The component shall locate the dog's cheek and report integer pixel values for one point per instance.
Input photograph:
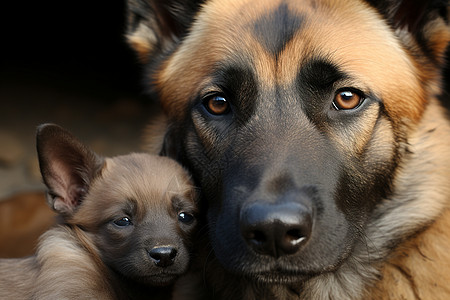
(369, 150)
(205, 165)
(207, 168)
(366, 180)
(201, 157)
(113, 243)
(224, 232)
(186, 233)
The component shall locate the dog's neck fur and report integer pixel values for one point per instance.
(405, 214)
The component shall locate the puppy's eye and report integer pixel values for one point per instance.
(185, 218)
(347, 99)
(122, 222)
(216, 104)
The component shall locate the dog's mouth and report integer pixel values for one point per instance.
(160, 279)
(280, 277)
(286, 271)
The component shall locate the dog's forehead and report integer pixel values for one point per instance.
(139, 185)
(275, 28)
(144, 179)
(275, 38)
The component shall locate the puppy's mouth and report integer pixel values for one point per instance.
(160, 279)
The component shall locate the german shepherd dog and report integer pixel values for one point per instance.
(126, 229)
(314, 132)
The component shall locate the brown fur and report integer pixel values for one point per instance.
(95, 253)
(63, 268)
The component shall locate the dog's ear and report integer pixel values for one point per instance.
(426, 21)
(155, 26)
(158, 137)
(169, 146)
(67, 167)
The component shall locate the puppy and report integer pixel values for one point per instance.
(127, 223)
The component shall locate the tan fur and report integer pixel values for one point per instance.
(367, 31)
(141, 47)
(419, 267)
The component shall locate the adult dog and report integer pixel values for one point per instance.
(313, 129)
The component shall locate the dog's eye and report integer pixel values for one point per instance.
(185, 217)
(122, 222)
(347, 99)
(216, 104)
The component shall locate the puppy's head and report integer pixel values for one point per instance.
(137, 209)
(293, 115)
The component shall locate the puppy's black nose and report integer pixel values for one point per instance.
(276, 229)
(163, 256)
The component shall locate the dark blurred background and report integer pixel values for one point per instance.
(66, 62)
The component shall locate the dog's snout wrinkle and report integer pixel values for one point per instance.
(276, 229)
(163, 256)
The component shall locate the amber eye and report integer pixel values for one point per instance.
(216, 105)
(347, 99)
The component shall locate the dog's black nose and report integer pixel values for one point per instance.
(276, 229)
(163, 256)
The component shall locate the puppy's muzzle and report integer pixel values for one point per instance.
(276, 229)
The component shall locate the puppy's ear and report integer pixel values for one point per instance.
(67, 167)
(422, 25)
(155, 26)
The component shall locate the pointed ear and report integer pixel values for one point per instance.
(67, 167)
(426, 21)
(155, 26)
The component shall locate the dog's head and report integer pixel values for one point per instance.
(292, 115)
(137, 209)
